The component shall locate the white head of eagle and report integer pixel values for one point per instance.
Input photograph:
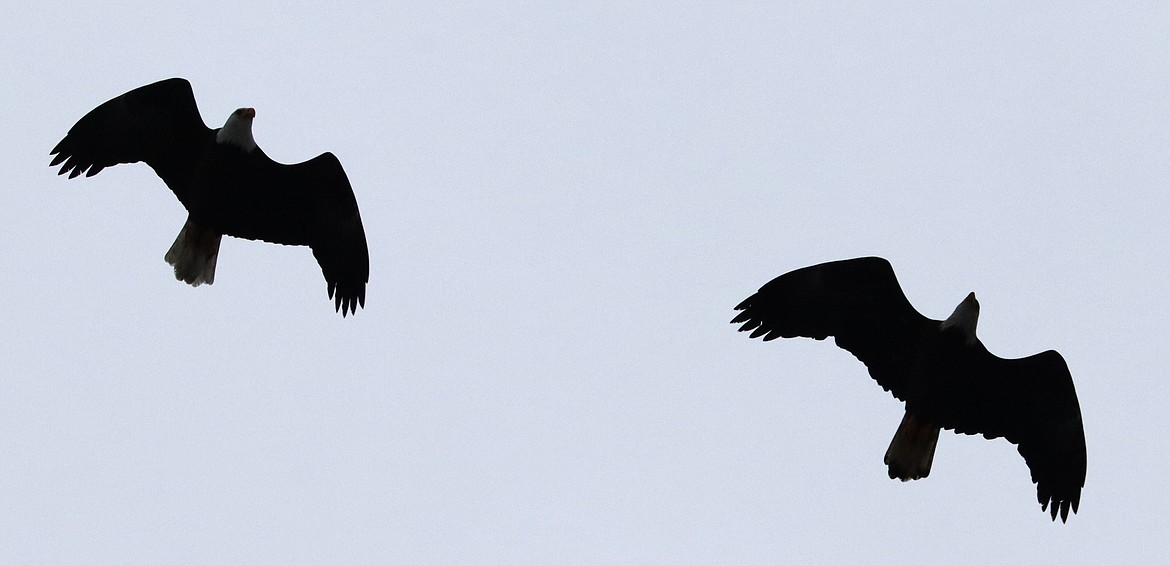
(965, 318)
(237, 130)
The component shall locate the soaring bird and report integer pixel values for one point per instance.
(941, 370)
(227, 184)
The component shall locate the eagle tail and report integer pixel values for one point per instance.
(194, 253)
(912, 450)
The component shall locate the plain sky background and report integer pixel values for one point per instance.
(563, 203)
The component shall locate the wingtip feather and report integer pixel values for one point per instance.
(345, 302)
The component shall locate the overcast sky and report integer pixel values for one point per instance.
(563, 204)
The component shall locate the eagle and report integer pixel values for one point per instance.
(227, 184)
(939, 368)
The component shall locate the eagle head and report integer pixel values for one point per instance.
(237, 130)
(965, 318)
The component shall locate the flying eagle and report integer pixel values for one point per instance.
(227, 183)
(940, 369)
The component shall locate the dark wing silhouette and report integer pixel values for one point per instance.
(338, 240)
(304, 204)
(157, 123)
(1029, 401)
(857, 301)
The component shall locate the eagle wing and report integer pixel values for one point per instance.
(1029, 401)
(304, 204)
(339, 241)
(857, 301)
(153, 123)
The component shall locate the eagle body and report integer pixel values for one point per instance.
(939, 368)
(227, 184)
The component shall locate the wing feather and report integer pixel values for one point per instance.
(305, 204)
(1032, 403)
(155, 123)
(340, 240)
(857, 301)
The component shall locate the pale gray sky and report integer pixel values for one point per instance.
(563, 204)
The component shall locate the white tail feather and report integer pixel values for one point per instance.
(194, 253)
(911, 451)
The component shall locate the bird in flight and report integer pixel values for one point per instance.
(227, 184)
(939, 368)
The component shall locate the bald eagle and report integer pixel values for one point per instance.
(939, 368)
(227, 184)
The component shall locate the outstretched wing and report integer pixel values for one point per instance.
(339, 242)
(1029, 401)
(304, 204)
(857, 301)
(156, 123)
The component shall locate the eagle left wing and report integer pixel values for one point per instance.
(1029, 401)
(337, 236)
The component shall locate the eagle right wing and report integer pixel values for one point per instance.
(857, 301)
(153, 123)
